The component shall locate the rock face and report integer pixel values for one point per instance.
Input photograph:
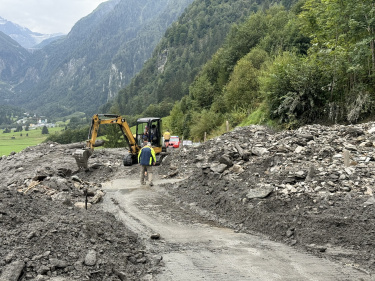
(309, 186)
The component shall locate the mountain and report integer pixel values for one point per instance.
(101, 54)
(12, 57)
(24, 36)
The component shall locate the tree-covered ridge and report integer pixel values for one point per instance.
(187, 45)
(309, 64)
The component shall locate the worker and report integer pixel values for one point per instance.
(167, 136)
(146, 133)
(154, 135)
(146, 158)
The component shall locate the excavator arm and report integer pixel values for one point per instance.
(82, 155)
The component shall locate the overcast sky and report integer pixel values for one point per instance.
(47, 16)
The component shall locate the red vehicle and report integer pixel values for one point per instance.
(174, 141)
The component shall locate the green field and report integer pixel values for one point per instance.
(15, 142)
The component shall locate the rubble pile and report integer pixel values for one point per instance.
(46, 232)
(311, 188)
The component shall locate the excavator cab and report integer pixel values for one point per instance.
(150, 129)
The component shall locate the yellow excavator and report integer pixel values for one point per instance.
(149, 128)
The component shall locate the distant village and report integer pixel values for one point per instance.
(35, 122)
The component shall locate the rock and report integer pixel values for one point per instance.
(260, 192)
(57, 263)
(225, 159)
(369, 191)
(290, 233)
(198, 158)
(90, 258)
(300, 174)
(82, 205)
(237, 169)
(350, 147)
(370, 201)
(77, 179)
(259, 151)
(42, 270)
(299, 149)
(155, 236)
(40, 277)
(98, 197)
(13, 271)
(218, 168)
(316, 247)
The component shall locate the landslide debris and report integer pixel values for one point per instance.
(45, 231)
(310, 188)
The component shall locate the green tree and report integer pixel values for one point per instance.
(342, 34)
(177, 118)
(45, 130)
(293, 86)
(242, 90)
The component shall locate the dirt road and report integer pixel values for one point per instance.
(192, 248)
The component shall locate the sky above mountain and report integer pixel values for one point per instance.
(47, 16)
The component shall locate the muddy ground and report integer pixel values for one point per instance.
(311, 189)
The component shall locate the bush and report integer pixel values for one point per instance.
(295, 90)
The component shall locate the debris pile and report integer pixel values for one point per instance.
(311, 188)
(46, 232)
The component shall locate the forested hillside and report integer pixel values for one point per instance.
(314, 63)
(311, 61)
(187, 45)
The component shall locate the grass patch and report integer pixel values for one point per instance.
(18, 141)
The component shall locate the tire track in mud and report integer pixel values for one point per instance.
(196, 249)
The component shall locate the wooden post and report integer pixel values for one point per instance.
(205, 137)
(227, 123)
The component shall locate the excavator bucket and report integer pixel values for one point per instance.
(82, 156)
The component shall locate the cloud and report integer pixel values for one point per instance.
(47, 16)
